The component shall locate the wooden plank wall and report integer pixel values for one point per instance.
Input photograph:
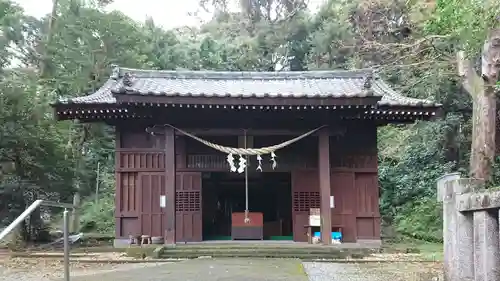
(354, 183)
(140, 181)
(188, 208)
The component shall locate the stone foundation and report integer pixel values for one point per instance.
(361, 244)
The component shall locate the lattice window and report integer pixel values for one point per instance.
(187, 201)
(303, 201)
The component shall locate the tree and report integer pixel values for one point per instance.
(474, 26)
(410, 43)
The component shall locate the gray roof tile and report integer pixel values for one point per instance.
(307, 84)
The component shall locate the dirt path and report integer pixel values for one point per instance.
(221, 270)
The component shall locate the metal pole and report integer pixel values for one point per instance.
(20, 219)
(97, 183)
(66, 243)
(28, 211)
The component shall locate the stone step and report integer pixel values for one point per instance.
(262, 252)
(301, 247)
(4, 254)
(193, 255)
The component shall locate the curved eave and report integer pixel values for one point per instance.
(69, 111)
(103, 112)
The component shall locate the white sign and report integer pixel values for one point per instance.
(332, 202)
(163, 201)
(314, 220)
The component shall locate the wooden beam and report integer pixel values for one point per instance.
(325, 186)
(238, 132)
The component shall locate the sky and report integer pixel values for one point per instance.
(163, 12)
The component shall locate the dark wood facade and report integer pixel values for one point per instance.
(144, 173)
(153, 160)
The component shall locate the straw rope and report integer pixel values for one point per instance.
(246, 151)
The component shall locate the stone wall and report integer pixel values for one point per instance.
(470, 229)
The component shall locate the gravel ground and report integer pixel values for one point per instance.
(396, 271)
(19, 269)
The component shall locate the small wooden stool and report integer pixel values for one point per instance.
(146, 239)
(133, 240)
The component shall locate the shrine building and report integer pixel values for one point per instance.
(212, 155)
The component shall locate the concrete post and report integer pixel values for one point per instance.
(457, 231)
(448, 220)
(441, 181)
(486, 246)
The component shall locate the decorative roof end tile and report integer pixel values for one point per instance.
(128, 79)
(368, 81)
(115, 72)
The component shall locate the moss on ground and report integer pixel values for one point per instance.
(141, 252)
(428, 250)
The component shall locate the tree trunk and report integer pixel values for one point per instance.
(482, 90)
(483, 143)
(44, 63)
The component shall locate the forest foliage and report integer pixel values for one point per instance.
(412, 44)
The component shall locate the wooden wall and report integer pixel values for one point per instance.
(141, 180)
(354, 183)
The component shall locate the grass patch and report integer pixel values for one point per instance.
(428, 250)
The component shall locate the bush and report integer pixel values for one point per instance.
(421, 220)
(410, 160)
(98, 217)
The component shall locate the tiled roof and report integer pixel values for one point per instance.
(307, 84)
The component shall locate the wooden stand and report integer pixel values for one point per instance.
(253, 230)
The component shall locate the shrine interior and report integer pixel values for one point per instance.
(268, 193)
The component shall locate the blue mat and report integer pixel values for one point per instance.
(335, 235)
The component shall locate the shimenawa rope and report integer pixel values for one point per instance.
(246, 151)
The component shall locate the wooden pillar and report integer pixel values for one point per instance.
(118, 185)
(325, 186)
(170, 185)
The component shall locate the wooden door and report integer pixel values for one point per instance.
(344, 213)
(188, 212)
(305, 195)
(151, 215)
(366, 196)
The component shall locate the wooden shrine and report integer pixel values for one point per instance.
(170, 125)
